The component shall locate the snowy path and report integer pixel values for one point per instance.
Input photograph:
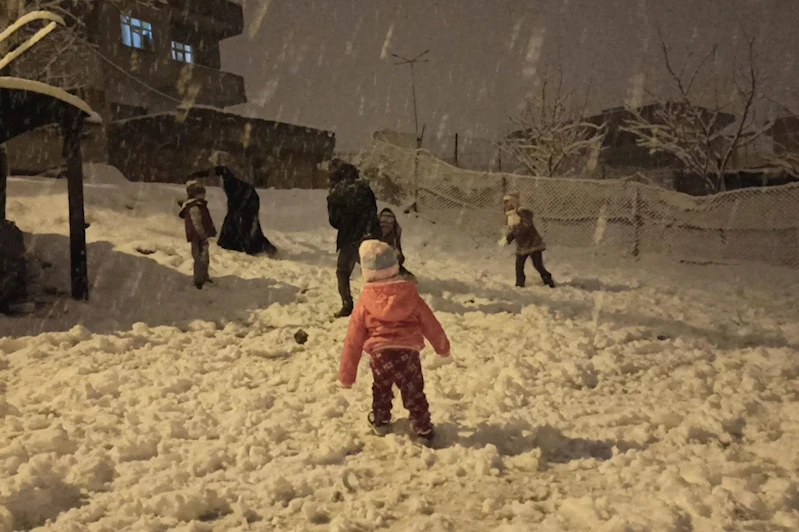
(647, 396)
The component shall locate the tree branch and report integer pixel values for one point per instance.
(552, 135)
(699, 137)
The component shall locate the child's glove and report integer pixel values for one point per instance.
(502, 242)
(443, 360)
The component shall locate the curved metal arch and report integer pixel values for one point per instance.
(54, 19)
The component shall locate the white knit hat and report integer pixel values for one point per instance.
(194, 189)
(513, 198)
(378, 261)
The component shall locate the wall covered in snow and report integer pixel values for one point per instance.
(40, 151)
(168, 147)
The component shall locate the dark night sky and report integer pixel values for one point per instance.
(323, 63)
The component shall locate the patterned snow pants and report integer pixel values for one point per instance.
(403, 368)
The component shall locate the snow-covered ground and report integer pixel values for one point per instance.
(635, 396)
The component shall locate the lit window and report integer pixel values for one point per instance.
(182, 52)
(137, 33)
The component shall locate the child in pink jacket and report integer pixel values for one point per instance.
(390, 322)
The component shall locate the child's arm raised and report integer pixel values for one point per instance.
(353, 348)
(432, 330)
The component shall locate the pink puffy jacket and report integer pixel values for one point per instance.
(389, 315)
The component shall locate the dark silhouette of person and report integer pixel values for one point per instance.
(352, 210)
(241, 230)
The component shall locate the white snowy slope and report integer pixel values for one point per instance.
(635, 396)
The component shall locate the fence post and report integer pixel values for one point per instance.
(796, 247)
(415, 206)
(456, 150)
(636, 219)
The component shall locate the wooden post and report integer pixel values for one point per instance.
(416, 180)
(72, 128)
(796, 248)
(419, 138)
(636, 219)
(4, 170)
(456, 150)
(3, 181)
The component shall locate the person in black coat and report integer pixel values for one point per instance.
(241, 230)
(352, 210)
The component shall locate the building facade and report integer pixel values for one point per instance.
(144, 64)
(154, 58)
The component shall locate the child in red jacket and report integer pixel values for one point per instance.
(390, 322)
(199, 228)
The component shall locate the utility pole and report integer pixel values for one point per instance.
(411, 62)
(6, 18)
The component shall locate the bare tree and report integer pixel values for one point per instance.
(705, 140)
(553, 136)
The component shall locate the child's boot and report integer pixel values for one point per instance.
(346, 309)
(548, 281)
(380, 430)
(426, 437)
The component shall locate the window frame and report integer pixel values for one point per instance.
(136, 33)
(182, 52)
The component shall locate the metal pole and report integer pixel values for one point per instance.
(415, 110)
(72, 127)
(5, 20)
(411, 62)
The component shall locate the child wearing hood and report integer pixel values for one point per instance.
(199, 228)
(390, 322)
(529, 243)
(391, 234)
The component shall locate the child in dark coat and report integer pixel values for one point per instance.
(529, 243)
(199, 228)
(391, 234)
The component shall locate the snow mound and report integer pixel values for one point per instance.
(103, 174)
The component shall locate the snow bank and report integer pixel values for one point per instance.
(103, 174)
(635, 396)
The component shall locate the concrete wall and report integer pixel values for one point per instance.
(40, 151)
(171, 146)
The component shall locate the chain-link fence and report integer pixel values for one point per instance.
(755, 224)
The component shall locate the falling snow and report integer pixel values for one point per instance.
(639, 395)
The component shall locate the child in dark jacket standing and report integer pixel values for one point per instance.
(391, 234)
(529, 243)
(199, 228)
(391, 322)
